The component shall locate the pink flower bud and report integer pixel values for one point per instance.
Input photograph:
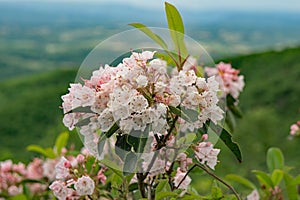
(80, 158)
(204, 137)
(67, 164)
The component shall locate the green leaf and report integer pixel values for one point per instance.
(292, 190)
(47, 152)
(83, 122)
(216, 192)
(18, 197)
(163, 195)
(122, 146)
(277, 176)
(187, 139)
(129, 178)
(226, 137)
(275, 159)
(101, 144)
(230, 100)
(296, 181)
(193, 197)
(176, 28)
(61, 142)
(193, 114)
(166, 57)
(230, 120)
(112, 130)
(137, 143)
(112, 166)
(81, 110)
(89, 163)
(241, 180)
(130, 163)
(152, 35)
(132, 187)
(179, 113)
(163, 186)
(263, 178)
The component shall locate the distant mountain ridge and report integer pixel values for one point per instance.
(42, 36)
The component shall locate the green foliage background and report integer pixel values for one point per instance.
(29, 110)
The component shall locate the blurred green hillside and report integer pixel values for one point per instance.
(271, 103)
(30, 113)
(29, 110)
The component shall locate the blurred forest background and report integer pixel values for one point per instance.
(43, 44)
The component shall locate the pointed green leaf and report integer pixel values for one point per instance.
(163, 186)
(241, 180)
(226, 137)
(179, 113)
(263, 178)
(47, 152)
(81, 110)
(292, 190)
(296, 181)
(137, 143)
(61, 142)
(112, 166)
(231, 104)
(275, 159)
(277, 176)
(192, 114)
(230, 120)
(122, 146)
(216, 192)
(163, 195)
(100, 145)
(133, 186)
(130, 163)
(83, 122)
(89, 163)
(176, 28)
(112, 130)
(152, 35)
(18, 197)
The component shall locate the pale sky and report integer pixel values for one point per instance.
(262, 5)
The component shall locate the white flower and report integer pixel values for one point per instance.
(141, 81)
(70, 120)
(206, 154)
(59, 190)
(84, 186)
(82, 95)
(90, 142)
(120, 112)
(253, 195)
(49, 169)
(106, 120)
(190, 64)
(61, 170)
(101, 101)
(178, 178)
(174, 100)
(138, 104)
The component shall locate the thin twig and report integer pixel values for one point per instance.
(214, 176)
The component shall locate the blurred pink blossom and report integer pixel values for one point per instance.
(35, 169)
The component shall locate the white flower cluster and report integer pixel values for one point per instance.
(137, 93)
